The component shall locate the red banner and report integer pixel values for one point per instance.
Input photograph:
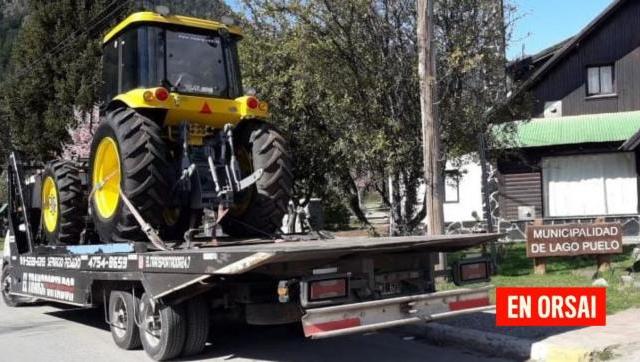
(551, 306)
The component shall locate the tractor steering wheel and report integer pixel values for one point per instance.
(183, 78)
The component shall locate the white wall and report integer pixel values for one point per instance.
(469, 187)
(470, 191)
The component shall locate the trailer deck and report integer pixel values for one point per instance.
(232, 259)
(183, 267)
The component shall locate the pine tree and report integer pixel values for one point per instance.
(11, 16)
(54, 70)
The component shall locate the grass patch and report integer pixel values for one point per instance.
(515, 269)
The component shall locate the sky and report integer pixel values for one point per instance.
(542, 23)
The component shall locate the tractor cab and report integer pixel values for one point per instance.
(185, 65)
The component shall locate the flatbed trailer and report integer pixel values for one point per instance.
(166, 299)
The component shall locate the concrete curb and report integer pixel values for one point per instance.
(493, 344)
(581, 345)
(549, 352)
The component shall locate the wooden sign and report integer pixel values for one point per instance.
(574, 239)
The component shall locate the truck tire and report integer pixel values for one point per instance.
(122, 319)
(162, 331)
(128, 154)
(197, 326)
(63, 203)
(9, 300)
(258, 210)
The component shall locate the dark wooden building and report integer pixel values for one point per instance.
(569, 164)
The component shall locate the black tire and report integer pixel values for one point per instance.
(71, 206)
(171, 334)
(10, 300)
(197, 326)
(123, 321)
(265, 203)
(143, 168)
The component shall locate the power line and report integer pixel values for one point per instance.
(63, 45)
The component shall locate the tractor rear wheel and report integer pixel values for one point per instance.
(258, 210)
(128, 154)
(63, 203)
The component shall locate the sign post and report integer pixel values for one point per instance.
(540, 263)
(539, 266)
(600, 239)
(604, 263)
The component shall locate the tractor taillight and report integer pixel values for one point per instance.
(252, 103)
(162, 94)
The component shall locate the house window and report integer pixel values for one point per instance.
(590, 185)
(600, 80)
(452, 186)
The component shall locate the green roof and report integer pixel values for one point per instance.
(590, 128)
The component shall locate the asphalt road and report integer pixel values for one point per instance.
(48, 332)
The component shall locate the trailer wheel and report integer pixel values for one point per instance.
(162, 329)
(197, 326)
(9, 300)
(122, 320)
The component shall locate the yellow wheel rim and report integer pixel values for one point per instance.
(106, 178)
(50, 204)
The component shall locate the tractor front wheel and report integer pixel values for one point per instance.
(63, 203)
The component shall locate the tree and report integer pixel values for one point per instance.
(54, 70)
(342, 79)
(471, 38)
(340, 127)
(11, 16)
(206, 9)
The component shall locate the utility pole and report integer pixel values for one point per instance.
(430, 125)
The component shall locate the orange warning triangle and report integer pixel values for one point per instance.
(205, 108)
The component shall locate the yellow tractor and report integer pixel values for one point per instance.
(180, 148)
